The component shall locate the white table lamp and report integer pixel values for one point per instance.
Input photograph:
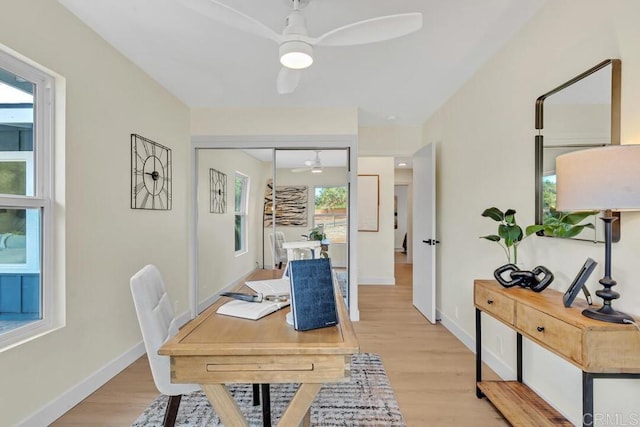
(604, 179)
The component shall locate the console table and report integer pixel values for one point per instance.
(599, 349)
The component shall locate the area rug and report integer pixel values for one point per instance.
(366, 400)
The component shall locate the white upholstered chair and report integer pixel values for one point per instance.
(157, 323)
(277, 250)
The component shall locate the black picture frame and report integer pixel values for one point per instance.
(578, 283)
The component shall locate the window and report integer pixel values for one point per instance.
(331, 212)
(241, 201)
(26, 177)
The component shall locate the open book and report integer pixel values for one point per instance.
(257, 310)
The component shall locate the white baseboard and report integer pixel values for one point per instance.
(372, 280)
(70, 398)
(503, 370)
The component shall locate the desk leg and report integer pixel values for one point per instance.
(587, 399)
(266, 405)
(224, 405)
(299, 405)
(479, 393)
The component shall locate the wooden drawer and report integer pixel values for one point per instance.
(551, 333)
(496, 304)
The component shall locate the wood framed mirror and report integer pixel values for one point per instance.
(581, 113)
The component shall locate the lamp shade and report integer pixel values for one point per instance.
(599, 179)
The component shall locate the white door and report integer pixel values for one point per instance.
(424, 231)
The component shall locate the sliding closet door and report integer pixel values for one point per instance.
(230, 240)
(311, 202)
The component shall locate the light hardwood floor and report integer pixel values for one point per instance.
(432, 373)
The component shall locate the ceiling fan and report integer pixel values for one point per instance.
(314, 166)
(296, 46)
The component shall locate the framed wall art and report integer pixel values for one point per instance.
(218, 185)
(150, 174)
(291, 205)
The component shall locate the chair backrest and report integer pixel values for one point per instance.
(157, 323)
(305, 249)
(280, 254)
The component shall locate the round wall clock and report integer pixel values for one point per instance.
(150, 174)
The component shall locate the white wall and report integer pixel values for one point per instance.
(392, 140)
(107, 99)
(486, 158)
(274, 121)
(375, 253)
(218, 264)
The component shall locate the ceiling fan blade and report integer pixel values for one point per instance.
(296, 170)
(372, 30)
(234, 18)
(288, 80)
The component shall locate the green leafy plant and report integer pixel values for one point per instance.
(317, 233)
(510, 234)
(566, 224)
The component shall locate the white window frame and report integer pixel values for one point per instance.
(42, 198)
(242, 212)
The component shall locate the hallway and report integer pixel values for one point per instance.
(432, 373)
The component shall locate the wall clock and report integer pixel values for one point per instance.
(218, 181)
(150, 174)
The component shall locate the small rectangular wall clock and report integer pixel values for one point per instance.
(150, 174)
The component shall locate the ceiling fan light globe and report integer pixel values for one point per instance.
(316, 169)
(296, 54)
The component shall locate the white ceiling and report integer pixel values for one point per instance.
(403, 81)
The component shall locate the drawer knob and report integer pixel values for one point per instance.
(489, 301)
(540, 328)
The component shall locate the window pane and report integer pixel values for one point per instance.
(238, 193)
(238, 232)
(241, 190)
(331, 212)
(16, 135)
(20, 289)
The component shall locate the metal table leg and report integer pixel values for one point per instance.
(479, 393)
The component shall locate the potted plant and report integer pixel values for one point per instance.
(509, 232)
(317, 233)
(509, 236)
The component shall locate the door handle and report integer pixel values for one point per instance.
(431, 242)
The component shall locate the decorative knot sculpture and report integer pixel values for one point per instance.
(536, 280)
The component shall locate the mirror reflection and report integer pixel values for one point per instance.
(311, 205)
(251, 202)
(579, 114)
(230, 192)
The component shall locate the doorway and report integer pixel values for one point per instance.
(400, 220)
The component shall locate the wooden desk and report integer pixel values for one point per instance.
(212, 350)
(599, 349)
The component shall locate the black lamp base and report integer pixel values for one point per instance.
(607, 314)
